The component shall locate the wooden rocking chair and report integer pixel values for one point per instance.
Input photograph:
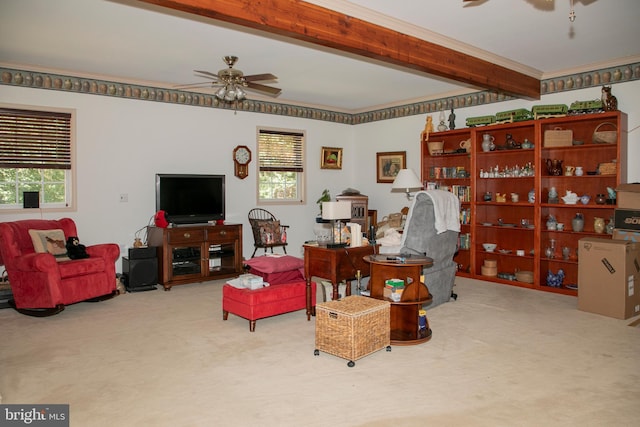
(267, 231)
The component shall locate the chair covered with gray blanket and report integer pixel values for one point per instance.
(431, 229)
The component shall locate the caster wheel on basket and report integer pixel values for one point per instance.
(388, 348)
(351, 364)
(316, 352)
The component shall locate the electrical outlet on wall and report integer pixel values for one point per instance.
(124, 198)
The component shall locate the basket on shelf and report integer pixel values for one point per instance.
(607, 168)
(605, 136)
(435, 147)
(558, 137)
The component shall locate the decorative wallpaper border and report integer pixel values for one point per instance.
(59, 82)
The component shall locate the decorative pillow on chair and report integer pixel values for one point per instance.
(50, 241)
(270, 232)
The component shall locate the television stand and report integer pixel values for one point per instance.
(191, 253)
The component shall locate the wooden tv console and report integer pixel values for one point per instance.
(197, 253)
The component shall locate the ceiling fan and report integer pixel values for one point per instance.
(541, 4)
(233, 82)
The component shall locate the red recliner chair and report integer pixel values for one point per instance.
(42, 285)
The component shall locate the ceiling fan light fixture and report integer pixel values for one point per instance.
(240, 93)
(220, 93)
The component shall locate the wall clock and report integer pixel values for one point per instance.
(241, 159)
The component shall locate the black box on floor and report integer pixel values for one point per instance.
(140, 269)
(627, 219)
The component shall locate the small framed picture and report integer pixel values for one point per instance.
(331, 158)
(389, 164)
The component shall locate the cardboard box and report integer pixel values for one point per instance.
(608, 272)
(626, 219)
(633, 236)
(628, 196)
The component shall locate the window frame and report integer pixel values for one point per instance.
(301, 176)
(70, 202)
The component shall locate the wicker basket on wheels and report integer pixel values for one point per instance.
(353, 327)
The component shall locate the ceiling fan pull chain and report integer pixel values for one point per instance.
(572, 12)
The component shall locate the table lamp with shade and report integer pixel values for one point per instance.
(336, 212)
(406, 182)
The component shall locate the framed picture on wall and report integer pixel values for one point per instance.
(389, 164)
(331, 158)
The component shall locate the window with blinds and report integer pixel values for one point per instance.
(35, 156)
(280, 165)
(35, 139)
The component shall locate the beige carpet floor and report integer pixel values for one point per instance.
(499, 356)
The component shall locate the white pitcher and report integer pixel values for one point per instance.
(488, 142)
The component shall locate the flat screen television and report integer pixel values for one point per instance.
(191, 198)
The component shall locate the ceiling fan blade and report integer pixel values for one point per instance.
(206, 73)
(258, 77)
(262, 88)
(200, 84)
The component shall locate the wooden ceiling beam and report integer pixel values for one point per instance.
(317, 25)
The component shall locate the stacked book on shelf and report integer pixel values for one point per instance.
(393, 289)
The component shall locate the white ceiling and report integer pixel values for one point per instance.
(125, 40)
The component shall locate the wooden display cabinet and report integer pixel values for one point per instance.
(502, 175)
(500, 220)
(438, 172)
(197, 253)
(589, 156)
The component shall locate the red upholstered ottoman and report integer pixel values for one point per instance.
(265, 302)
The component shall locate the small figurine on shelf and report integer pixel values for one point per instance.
(511, 143)
(609, 102)
(555, 280)
(610, 225)
(452, 120)
(428, 128)
(441, 126)
(611, 196)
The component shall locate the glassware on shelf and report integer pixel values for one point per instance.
(610, 226)
(577, 223)
(550, 252)
(566, 252)
(598, 225)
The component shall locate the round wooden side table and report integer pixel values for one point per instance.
(405, 313)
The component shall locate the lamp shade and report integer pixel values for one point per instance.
(406, 181)
(336, 210)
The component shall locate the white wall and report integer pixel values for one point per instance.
(404, 134)
(123, 143)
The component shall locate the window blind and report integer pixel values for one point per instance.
(280, 151)
(35, 139)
